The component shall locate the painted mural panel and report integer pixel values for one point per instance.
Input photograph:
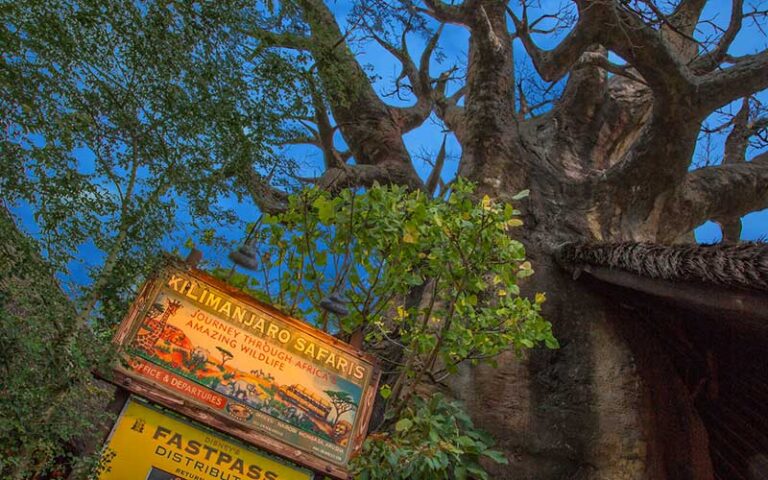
(242, 360)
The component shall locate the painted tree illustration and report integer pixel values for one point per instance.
(226, 356)
(342, 403)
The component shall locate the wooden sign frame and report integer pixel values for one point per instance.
(158, 383)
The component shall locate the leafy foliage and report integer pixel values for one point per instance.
(124, 124)
(49, 400)
(433, 439)
(374, 249)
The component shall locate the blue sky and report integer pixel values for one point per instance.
(426, 139)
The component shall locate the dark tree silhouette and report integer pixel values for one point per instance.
(226, 356)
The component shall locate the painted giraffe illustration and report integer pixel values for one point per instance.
(150, 332)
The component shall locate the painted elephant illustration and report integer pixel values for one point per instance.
(241, 390)
(199, 355)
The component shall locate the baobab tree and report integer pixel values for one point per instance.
(607, 158)
(601, 128)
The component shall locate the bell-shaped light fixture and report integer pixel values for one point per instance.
(245, 256)
(335, 304)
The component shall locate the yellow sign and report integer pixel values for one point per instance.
(147, 444)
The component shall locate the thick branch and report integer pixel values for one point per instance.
(735, 152)
(657, 160)
(325, 130)
(600, 60)
(553, 64)
(418, 76)
(447, 106)
(369, 126)
(677, 30)
(719, 192)
(598, 117)
(657, 61)
(434, 176)
(268, 198)
(738, 140)
(686, 16)
(447, 13)
(489, 104)
(748, 75)
(349, 176)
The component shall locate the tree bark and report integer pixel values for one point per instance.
(609, 162)
(607, 404)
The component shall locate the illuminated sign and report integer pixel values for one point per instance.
(298, 391)
(147, 444)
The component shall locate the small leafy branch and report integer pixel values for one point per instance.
(429, 283)
(434, 439)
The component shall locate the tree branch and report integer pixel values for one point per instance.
(720, 192)
(368, 125)
(598, 59)
(735, 152)
(656, 161)
(738, 140)
(686, 16)
(658, 62)
(349, 176)
(268, 198)
(553, 64)
(447, 13)
(748, 75)
(332, 158)
(418, 76)
(712, 59)
(434, 177)
(447, 106)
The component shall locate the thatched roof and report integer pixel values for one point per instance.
(726, 280)
(742, 265)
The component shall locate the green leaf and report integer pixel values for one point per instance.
(460, 472)
(325, 209)
(411, 234)
(521, 195)
(385, 391)
(496, 456)
(403, 424)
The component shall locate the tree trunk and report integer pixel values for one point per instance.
(609, 161)
(607, 404)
